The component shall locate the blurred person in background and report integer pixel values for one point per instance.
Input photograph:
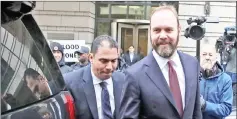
(43, 88)
(131, 57)
(83, 58)
(57, 50)
(122, 65)
(37, 83)
(215, 86)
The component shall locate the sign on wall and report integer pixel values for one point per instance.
(70, 46)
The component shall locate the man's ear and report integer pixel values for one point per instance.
(41, 78)
(91, 56)
(179, 28)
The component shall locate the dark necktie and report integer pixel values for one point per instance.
(106, 109)
(175, 89)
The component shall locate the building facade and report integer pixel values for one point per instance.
(127, 22)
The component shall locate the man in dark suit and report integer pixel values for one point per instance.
(43, 88)
(97, 87)
(164, 84)
(131, 57)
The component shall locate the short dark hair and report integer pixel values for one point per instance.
(103, 38)
(32, 73)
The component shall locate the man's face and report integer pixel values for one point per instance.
(82, 57)
(57, 55)
(164, 32)
(131, 49)
(38, 86)
(104, 62)
(208, 57)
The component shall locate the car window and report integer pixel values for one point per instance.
(29, 72)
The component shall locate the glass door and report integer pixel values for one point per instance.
(136, 35)
(143, 37)
(126, 36)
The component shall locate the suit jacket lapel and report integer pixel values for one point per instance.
(117, 87)
(154, 72)
(188, 71)
(90, 92)
(127, 57)
(133, 58)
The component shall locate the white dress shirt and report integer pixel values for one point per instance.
(131, 55)
(98, 89)
(177, 65)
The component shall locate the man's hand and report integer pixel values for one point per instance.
(203, 103)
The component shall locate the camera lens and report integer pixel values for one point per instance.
(196, 32)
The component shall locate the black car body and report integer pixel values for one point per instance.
(23, 46)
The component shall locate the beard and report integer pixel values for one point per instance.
(207, 64)
(82, 60)
(165, 49)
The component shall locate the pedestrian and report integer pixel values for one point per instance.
(164, 84)
(131, 57)
(215, 86)
(97, 87)
(58, 53)
(83, 58)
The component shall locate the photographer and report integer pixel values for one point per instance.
(231, 65)
(226, 45)
(231, 70)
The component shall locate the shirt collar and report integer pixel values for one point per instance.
(97, 81)
(163, 61)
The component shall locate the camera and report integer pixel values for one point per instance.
(195, 30)
(226, 43)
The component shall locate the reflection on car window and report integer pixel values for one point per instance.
(28, 72)
(37, 83)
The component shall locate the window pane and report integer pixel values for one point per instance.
(118, 11)
(23, 49)
(103, 28)
(103, 10)
(136, 12)
(149, 10)
(158, 3)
